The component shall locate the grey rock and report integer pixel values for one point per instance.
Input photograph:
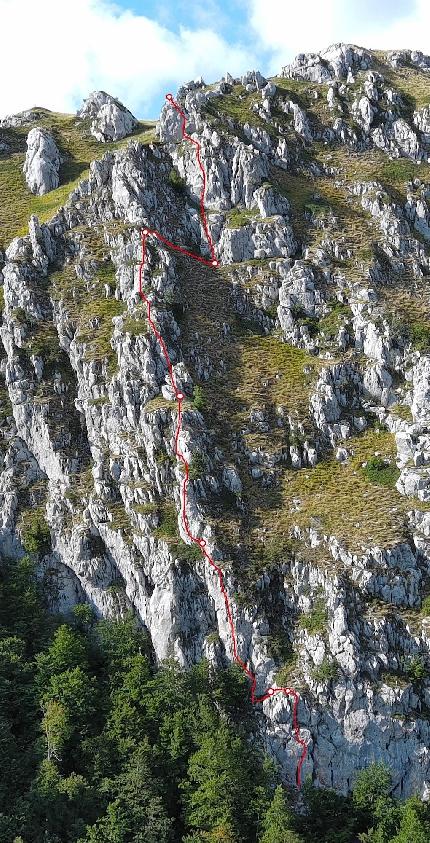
(110, 120)
(42, 162)
(333, 63)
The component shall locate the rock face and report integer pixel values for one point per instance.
(13, 121)
(304, 359)
(42, 162)
(110, 120)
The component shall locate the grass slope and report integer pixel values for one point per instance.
(77, 148)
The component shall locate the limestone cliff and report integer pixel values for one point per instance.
(305, 362)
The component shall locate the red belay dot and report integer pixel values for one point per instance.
(212, 262)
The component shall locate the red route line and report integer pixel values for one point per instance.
(213, 263)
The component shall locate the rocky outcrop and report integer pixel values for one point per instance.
(110, 120)
(336, 62)
(14, 121)
(42, 162)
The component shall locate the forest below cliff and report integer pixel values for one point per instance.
(100, 746)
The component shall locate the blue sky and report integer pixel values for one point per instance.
(229, 18)
(139, 49)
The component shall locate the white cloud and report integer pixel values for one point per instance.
(54, 53)
(287, 28)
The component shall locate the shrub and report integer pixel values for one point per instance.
(415, 669)
(168, 526)
(176, 181)
(326, 671)
(36, 536)
(20, 315)
(381, 471)
(188, 552)
(316, 207)
(197, 466)
(161, 457)
(420, 336)
(199, 401)
(425, 606)
(117, 587)
(316, 620)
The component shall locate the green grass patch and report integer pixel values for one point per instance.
(332, 321)
(95, 328)
(82, 485)
(168, 522)
(145, 508)
(5, 402)
(316, 207)
(238, 217)
(402, 411)
(285, 676)
(274, 371)
(120, 521)
(236, 105)
(340, 499)
(43, 342)
(398, 171)
(85, 304)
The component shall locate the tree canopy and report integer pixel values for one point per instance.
(100, 745)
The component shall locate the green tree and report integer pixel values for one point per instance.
(414, 822)
(136, 813)
(36, 535)
(58, 807)
(57, 728)
(217, 790)
(67, 651)
(329, 817)
(23, 612)
(84, 616)
(278, 821)
(376, 810)
(371, 791)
